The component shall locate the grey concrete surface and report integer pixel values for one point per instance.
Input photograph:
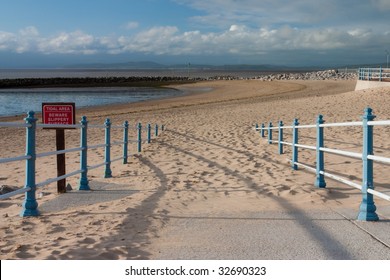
(275, 235)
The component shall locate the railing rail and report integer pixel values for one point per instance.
(374, 74)
(30, 205)
(367, 206)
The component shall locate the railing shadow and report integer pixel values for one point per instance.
(324, 239)
(133, 232)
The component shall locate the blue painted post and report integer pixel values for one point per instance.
(83, 185)
(107, 171)
(156, 130)
(149, 133)
(125, 141)
(320, 178)
(139, 137)
(30, 204)
(294, 148)
(262, 130)
(367, 206)
(256, 127)
(270, 133)
(280, 137)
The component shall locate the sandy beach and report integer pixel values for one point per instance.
(208, 180)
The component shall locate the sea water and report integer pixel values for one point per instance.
(20, 101)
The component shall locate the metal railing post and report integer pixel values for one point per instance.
(270, 133)
(294, 142)
(125, 141)
(149, 133)
(367, 206)
(30, 204)
(156, 130)
(320, 178)
(139, 137)
(262, 130)
(280, 138)
(380, 74)
(83, 184)
(162, 127)
(107, 171)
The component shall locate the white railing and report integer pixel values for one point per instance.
(374, 74)
(367, 209)
(30, 205)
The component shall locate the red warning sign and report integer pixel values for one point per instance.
(58, 113)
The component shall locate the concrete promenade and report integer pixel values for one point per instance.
(287, 232)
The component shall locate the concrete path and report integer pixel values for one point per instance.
(275, 235)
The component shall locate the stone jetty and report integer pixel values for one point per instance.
(152, 81)
(92, 82)
(316, 75)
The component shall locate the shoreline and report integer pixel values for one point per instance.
(208, 173)
(89, 108)
(193, 96)
(91, 82)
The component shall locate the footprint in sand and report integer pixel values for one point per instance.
(88, 240)
(22, 251)
(56, 229)
(292, 192)
(283, 188)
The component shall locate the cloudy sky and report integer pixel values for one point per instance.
(282, 32)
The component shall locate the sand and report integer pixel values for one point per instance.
(208, 163)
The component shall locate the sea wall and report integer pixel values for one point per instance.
(318, 75)
(370, 84)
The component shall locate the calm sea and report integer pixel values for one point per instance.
(19, 101)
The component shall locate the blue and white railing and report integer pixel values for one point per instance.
(374, 74)
(30, 205)
(367, 206)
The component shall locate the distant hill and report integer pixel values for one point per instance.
(125, 65)
(153, 65)
(368, 65)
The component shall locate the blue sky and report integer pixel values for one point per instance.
(54, 33)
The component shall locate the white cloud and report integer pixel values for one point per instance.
(29, 31)
(236, 39)
(239, 39)
(7, 41)
(297, 13)
(131, 25)
(76, 42)
(382, 5)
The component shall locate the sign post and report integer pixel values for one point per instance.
(59, 113)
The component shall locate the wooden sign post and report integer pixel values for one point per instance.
(62, 114)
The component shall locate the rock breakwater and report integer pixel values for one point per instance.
(93, 82)
(316, 75)
(153, 81)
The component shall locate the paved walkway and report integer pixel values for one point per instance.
(291, 233)
(276, 235)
